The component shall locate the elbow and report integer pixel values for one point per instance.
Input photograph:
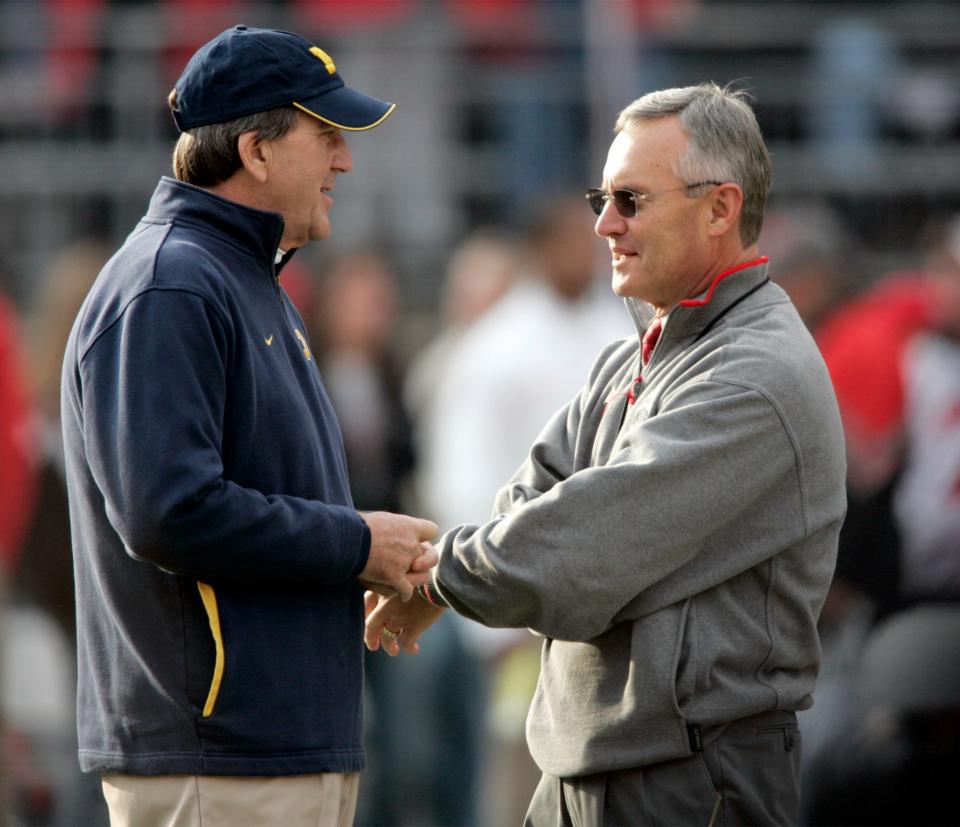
(149, 541)
(155, 534)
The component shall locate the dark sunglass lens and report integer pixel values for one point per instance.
(624, 202)
(596, 201)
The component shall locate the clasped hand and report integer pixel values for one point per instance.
(401, 555)
(405, 622)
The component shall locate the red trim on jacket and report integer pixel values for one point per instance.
(721, 277)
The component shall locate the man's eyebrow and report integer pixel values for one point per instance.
(321, 129)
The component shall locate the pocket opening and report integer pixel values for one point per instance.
(209, 598)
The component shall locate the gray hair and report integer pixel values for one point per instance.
(725, 143)
(208, 155)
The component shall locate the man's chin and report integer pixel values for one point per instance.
(621, 285)
(320, 231)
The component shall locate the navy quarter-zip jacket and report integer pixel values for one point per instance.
(216, 547)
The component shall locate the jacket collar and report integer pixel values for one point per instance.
(691, 316)
(255, 231)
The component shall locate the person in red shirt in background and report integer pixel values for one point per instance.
(876, 347)
(17, 466)
(17, 478)
(891, 623)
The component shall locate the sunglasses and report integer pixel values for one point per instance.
(628, 202)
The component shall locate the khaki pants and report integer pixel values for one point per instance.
(319, 800)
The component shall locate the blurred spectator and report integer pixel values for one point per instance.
(489, 406)
(894, 357)
(73, 29)
(45, 578)
(533, 121)
(854, 63)
(878, 348)
(17, 454)
(481, 270)
(491, 403)
(355, 324)
(17, 490)
(811, 257)
(895, 762)
(433, 744)
(43, 587)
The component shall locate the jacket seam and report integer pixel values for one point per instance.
(173, 288)
(768, 625)
(678, 649)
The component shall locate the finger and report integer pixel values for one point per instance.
(378, 617)
(370, 601)
(404, 589)
(371, 636)
(427, 529)
(408, 641)
(387, 639)
(418, 578)
(376, 620)
(426, 561)
(379, 588)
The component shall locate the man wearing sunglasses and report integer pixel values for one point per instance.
(220, 563)
(673, 530)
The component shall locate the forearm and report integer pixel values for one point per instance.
(241, 535)
(571, 563)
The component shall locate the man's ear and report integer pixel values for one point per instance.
(726, 202)
(255, 155)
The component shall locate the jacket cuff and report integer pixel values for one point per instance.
(430, 592)
(356, 536)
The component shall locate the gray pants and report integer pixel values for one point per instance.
(747, 774)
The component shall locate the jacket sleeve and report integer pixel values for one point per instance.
(626, 538)
(153, 394)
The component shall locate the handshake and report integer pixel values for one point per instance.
(400, 560)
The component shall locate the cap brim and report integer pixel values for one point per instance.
(347, 109)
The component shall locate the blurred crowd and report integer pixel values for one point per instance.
(439, 406)
(433, 424)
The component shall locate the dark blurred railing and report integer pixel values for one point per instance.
(860, 103)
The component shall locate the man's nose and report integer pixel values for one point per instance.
(609, 222)
(343, 157)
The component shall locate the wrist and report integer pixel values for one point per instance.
(428, 591)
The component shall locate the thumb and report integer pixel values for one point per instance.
(426, 529)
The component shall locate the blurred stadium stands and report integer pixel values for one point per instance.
(499, 100)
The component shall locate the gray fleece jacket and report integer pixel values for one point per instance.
(673, 545)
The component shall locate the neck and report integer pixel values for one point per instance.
(240, 187)
(723, 263)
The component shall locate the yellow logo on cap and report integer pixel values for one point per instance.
(316, 51)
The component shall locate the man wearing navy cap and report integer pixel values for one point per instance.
(220, 564)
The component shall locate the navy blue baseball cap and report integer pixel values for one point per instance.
(246, 70)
